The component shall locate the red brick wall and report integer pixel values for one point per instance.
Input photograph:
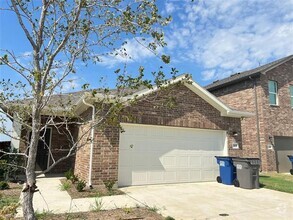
(273, 120)
(189, 111)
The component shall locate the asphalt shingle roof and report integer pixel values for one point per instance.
(245, 74)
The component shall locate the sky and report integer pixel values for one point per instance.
(208, 39)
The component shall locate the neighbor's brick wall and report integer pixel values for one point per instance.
(279, 119)
(240, 96)
(190, 111)
(273, 120)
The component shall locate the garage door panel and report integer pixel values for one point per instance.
(168, 155)
(283, 147)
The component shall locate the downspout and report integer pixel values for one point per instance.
(257, 120)
(92, 142)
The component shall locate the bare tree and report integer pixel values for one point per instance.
(60, 33)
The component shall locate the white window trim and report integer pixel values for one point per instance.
(291, 95)
(275, 93)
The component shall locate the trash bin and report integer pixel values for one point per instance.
(291, 159)
(247, 172)
(227, 170)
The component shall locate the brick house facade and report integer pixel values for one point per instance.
(249, 91)
(180, 105)
(190, 111)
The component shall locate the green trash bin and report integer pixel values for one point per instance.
(247, 172)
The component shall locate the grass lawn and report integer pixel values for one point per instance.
(277, 181)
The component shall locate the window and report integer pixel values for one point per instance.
(291, 95)
(273, 90)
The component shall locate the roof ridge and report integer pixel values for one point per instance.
(235, 77)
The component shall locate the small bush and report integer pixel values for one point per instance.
(68, 174)
(4, 185)
(65, 186)
(109, 184)
(169, 218)
(80, 185)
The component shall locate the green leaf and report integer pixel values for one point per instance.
(165, 59)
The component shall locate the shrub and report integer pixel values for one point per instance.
(80, 185)
(169, 218)
(65, 186)
(109, 184)
(70, 176)
(4, 185)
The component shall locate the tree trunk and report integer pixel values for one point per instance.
(27, 206)
(30, 186)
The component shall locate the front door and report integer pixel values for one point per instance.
(43, 149)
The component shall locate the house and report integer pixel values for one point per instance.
(267, 91)
(167, 135)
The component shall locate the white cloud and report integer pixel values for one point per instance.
(135, 50)
(231, 36)
(208, 74)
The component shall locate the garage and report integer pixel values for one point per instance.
(160, 154)
(283, 147)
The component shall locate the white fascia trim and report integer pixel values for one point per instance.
(215, 102)
(146, 92)
(189, 83)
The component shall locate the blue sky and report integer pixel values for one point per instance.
(208, 39)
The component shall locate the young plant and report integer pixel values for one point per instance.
(65, 186)
(98, 205)
(109, 184)
(80, 185)
(68, 174)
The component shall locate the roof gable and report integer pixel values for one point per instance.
(197, 89)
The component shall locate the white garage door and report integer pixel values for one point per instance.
(157, 154)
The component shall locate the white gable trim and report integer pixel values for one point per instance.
(200, 91)
(189, 83)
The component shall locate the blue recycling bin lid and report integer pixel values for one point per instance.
(290, 158)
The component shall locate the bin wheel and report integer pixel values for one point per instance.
(219, 179)
(236, 183)
(291, 171)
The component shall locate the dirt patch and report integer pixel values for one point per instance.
(13, 191)
(116, 214)
(96, 191)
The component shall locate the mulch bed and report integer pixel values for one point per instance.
(97, 191)
(116, 214)
(13, 191)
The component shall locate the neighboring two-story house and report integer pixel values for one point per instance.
(267, 91)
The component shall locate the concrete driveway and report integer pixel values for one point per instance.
(210, 200)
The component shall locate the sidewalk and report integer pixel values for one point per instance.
(51, 199)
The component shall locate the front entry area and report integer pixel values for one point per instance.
(283, 147)
(160, 154)
(44, 145)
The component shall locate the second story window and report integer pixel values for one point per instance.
(273, 92)
(291, 95)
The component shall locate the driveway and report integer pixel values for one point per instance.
(210, 200)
